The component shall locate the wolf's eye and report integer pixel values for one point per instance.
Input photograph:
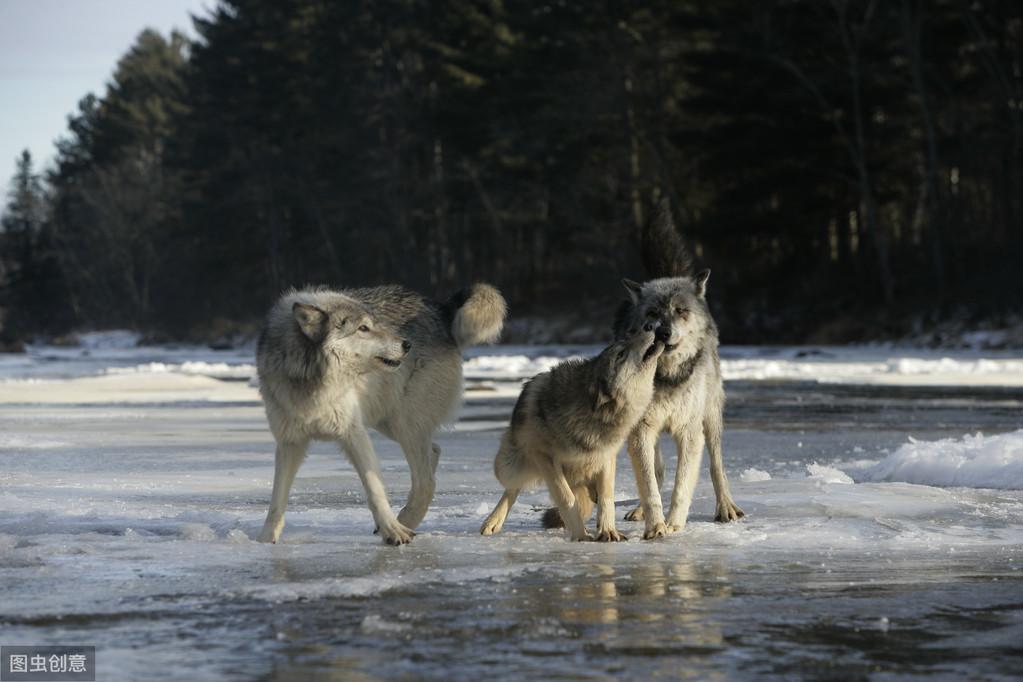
(363, 328)
(681, 311)
(621, 355)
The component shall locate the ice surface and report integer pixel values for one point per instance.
(973, 461)
(129, 501)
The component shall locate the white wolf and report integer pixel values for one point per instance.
(332, 363)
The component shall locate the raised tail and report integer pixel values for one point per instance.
(476, 315)
(661, 246)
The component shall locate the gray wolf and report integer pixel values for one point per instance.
(689, 395)
(333, 363)
(567, 427)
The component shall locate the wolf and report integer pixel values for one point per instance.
(333, 363)
(567, 427)
(689, 395)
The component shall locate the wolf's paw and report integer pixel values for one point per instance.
(658, 530)
(728, 511)
(396, 534)
(635, 515)
(673, 528)
(491, 526)
(610, 535)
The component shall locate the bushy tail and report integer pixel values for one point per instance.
(664, 253)
(476, 315)
(552, 518)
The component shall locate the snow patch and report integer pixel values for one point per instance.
(113, 339)
(8, 442)
(754, 476)
(826, 474)
(976, 461)
(510, 366)
(217, 370)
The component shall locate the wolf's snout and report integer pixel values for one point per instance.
(663, 332)
(405, 346)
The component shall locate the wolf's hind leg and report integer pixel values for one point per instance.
(422, 457)
(690, 452)
(727, 509)
(287, 459)
(642, 444)
(637, 513)
(568, 503)
(495, 521)
(584, 500)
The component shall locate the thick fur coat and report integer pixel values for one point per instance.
(566, 430)
(333, 363)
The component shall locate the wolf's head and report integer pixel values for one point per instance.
(628, 364)
(347, 332)
(675, 306)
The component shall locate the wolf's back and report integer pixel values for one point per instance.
(476, 315)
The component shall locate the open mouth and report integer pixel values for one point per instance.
(651, 351)
(387, 361)
(668, 349)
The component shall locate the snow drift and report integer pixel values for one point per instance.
(976, 461)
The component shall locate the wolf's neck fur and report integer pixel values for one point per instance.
(680, 371)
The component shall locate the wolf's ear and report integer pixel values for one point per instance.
(633, 289)
(701, 282)
(311, 320)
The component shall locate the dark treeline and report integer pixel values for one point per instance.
(845, 167)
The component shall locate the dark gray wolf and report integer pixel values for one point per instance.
(689, 395)
(567, 427)
(332, 363)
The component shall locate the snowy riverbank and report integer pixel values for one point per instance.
(133, 481)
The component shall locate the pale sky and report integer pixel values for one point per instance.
(54, 52)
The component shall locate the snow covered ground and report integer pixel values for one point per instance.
(884, 534)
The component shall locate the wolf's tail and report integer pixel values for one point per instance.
(661, 246)
(476, 315)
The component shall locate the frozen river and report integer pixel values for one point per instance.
(883, 537)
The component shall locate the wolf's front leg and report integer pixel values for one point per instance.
(357, 446)
(690, 452)
(641, 451)
(637, 513)
(606, 531)
(727, 509)
(287, 459)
